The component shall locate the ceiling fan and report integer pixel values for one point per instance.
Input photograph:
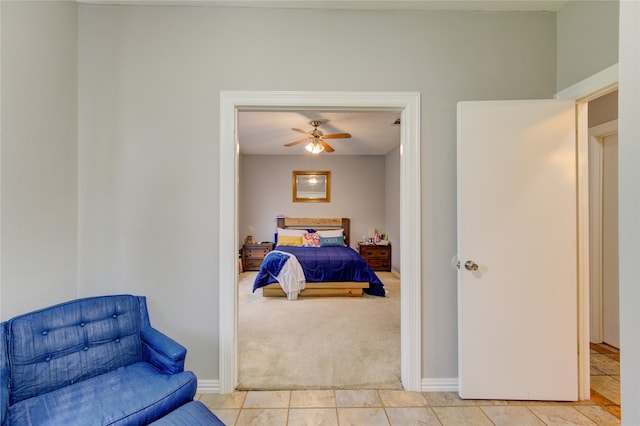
(315, 139)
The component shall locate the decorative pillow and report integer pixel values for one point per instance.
(311, 239)
(332, 241)
(330, 233)
(291, 232)
(289, 241)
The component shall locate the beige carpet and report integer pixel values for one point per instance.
(319, 343)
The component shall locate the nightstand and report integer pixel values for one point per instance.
(253, 255)
(377, 257)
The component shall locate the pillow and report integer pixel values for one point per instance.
(291, 232)
(332, 241)
(289, 241)
(330, 233)
(311, 239)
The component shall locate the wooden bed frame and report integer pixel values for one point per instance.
(325, 289)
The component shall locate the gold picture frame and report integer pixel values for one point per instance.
(311, 186)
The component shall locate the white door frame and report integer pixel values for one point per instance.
(582, 92)
(596, 148)
(408, 103)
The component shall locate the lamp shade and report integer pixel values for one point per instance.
(314, 147)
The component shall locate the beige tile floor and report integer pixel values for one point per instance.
(397, 407)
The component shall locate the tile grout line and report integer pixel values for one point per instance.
(604, 403)
(536, 416)
(335, 399)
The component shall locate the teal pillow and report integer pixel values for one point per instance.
(332, 241)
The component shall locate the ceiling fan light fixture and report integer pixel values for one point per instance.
(314, 147)
(314, 140)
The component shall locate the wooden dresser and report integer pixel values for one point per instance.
(253, 254)
(377, 257)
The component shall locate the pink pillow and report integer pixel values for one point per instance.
(311, 240)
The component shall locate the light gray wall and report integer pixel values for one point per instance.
(587, 39)
(38, 163)
(149, 83)
(446, 56)
(629, 204)
(392, 204)
(357, 192)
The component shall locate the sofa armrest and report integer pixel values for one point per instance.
(4, 374)
(4, 394)
(163, 352)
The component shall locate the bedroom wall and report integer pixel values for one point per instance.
(149, 83)
(587, 39)
(38, 164)
(357, 192)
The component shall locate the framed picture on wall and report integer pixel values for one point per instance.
(311, 186)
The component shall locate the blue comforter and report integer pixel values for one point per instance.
(322, 264)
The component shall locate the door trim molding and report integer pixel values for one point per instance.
(592, 87)
(595, 239)
(596, 139)
(582, 213)
(408, 104)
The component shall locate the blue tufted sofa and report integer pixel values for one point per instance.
(92, 361)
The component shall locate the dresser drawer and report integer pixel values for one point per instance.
(256, 252)
(379, 264)
(377, 257)
(253, 255)
(252, 264)
(376, 253)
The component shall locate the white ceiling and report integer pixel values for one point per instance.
(265, 132)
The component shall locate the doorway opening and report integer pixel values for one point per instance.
(408, 104)
(593, 87)
(604, 331)
(603, 227)
(319, 342)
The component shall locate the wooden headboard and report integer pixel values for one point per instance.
(317, 223)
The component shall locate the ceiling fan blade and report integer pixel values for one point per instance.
(296, 142)
(326, 146)
(337, 136)
(303, 132)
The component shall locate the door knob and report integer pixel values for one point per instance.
(470, 265)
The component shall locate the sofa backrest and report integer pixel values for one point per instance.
(63, 344)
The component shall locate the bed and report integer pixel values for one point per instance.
(329, 270)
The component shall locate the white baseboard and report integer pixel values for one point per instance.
(208, 386)
(440, 385)
(428, 385)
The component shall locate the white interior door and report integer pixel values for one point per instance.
(517, 312)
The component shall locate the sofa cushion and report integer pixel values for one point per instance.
(191, 414)
(134, 395)
(67, 343)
